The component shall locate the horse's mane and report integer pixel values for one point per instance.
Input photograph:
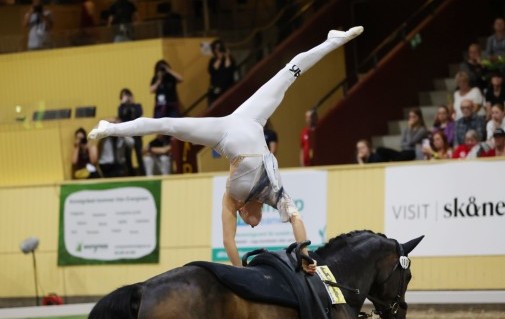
(340, 240)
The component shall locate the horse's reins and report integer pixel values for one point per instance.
(397, 303)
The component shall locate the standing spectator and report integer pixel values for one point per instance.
(440, 148)
(495, 93)
(270, 137)
(39, 21)
(469, 121)
(128, 110)
(306, 153)
(221, 70)
(87, 23)
(443, 122)
(496, 42)
(474, 68)
(365, 154)
(163, 85)
(157, 156)
(471, 140)
(122, 15)
(84, 157)
(465, 91)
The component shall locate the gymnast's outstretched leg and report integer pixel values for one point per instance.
(265, 101)
(206, 131)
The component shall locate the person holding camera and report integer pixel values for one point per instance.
(39, 21)
(163, 86)
(128, 110)
(221, 70)
(84, 157)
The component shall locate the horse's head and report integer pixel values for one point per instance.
(392, 278)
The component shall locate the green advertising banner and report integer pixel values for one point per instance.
(109, 223)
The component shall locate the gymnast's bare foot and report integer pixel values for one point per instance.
(100, 131)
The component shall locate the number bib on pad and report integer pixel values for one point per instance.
(335, 293)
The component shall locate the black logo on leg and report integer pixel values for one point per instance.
(296, 70)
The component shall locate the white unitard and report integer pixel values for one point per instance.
(238, 136)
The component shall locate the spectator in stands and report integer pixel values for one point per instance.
(157, 156)
(471, 140)
(112, 155)
(495, 93)
(84, 156)
(87, 23)
(439, 147)
(128, 110)
(365, 153)
(499, 143)
(474, 68)
(39, 21)
(122, 15)
(469, 121)
(465, 91)
(412, 137)
(306, 153)
(221, 70)
(496, 42)
(443, 122)
(270, 137)
(497, 119)
(163, 86)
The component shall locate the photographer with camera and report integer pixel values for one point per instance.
(39, 21)
(84, 157)
(128, 110)
(163, 85)
(221, 70)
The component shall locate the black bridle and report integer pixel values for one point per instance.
(392, 307)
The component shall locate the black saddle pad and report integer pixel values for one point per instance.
(261, 283)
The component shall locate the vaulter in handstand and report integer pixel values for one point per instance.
(254, 177)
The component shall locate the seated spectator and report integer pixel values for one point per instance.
(495, 93)
(471, 139)
(128, 110)
(465, 92)
(439, 147)
(499, 143)
(496, 43)
(84, 157)
(112, 152)
(412, 136)
(497, 121)
(157, 156)
(474, 68)
(443, 122)
(365, 153)
(305, 141)
(270, 137)
(469, 121)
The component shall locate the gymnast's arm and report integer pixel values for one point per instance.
(300, 236)
(229, 220)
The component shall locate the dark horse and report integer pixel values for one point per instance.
(370, 262)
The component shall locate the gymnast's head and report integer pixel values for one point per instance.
(251, 212)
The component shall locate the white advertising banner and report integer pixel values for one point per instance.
(459, 207)
(308, 190)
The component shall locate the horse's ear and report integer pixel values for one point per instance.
(410, 245)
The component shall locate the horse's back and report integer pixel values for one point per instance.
(193, 292)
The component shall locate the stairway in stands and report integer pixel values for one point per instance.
(443, 89)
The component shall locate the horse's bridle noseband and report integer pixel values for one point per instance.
(397, 303)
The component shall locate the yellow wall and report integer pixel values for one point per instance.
(94, 75)
(355, 201)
